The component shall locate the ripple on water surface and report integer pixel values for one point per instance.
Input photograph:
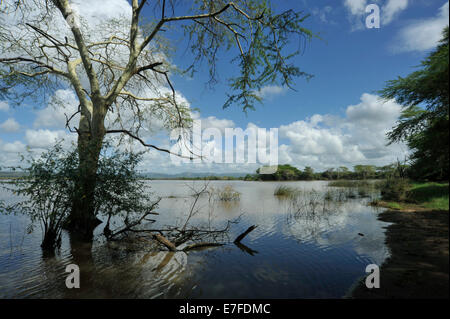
(288, 255)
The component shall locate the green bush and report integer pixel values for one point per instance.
(48, 190)
(395, 189)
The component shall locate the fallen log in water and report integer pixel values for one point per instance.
(241, 236)
(201, 245)
(172, 247)
(163, 240)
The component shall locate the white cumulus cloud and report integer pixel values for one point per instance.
(213, 122)
(44, 139)
(63, 103)
(9, 153)
(269, 91)
(422, 35)
(9, 126)
(324, 141)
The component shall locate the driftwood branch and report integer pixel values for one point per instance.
(130, 226)
(241, 236)
(171, 246)
(201, 245)
(163, 240)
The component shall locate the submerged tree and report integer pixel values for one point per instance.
(47, 188)
(122, 65)
(424, 123)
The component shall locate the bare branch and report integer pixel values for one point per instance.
(39, 63)
(67, 12)
(146, 144)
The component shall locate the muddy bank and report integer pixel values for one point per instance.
(418, 266)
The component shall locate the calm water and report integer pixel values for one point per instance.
(310, 253)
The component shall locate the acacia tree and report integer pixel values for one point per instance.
(424, 122)
(122, 65)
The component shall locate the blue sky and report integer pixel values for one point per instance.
(345, 63)
(332, 120)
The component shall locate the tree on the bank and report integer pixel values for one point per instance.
(424, 123)
(308, 173)
(284, 172)
(364, 171)
(342, 172)
(122, 65)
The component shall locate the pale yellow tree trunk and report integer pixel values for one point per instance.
(82, 220)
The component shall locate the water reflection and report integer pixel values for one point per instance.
(303, 247)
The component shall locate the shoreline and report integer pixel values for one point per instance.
(418, 266)
(402, 207)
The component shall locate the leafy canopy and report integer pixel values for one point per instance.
(424, 122)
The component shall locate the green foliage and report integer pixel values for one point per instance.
(119, 189)
(390, 205)
(308, 173)
(414, 196)
(290, 173)
(365, 171)
(251, 177)
(260, 40)
(395, 189)
(440, 203)
(428, 86)
(47, 190)
(283, 173)
(431, 195)
(424, 123)
(430, 157)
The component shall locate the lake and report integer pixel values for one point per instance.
(300, 249)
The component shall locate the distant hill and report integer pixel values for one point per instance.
(11, 174)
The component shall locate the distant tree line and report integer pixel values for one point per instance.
(287, 172)
(195, 178)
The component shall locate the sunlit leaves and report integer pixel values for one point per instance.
(424, 122)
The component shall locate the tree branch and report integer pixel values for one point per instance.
(67, 12)
(145, 144)
(39, 63)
